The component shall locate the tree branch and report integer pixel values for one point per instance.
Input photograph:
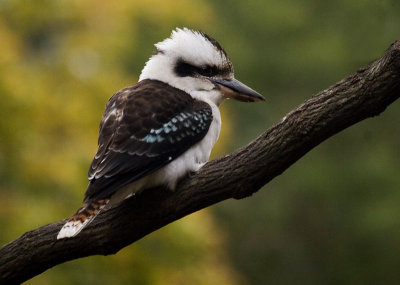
(364, 94)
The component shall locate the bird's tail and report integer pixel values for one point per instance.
(85, 214)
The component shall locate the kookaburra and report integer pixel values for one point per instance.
(164, 126)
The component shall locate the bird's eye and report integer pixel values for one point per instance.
(207, 71)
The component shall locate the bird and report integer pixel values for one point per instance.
(162, 128)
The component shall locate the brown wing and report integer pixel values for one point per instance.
(144, 127)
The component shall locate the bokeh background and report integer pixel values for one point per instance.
(332, 218)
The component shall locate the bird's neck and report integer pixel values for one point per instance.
(209, 96)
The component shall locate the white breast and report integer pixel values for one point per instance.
(194, 158)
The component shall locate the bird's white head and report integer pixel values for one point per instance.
(196, 63)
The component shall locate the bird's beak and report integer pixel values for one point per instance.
(237, 90)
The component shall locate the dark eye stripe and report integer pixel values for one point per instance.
(183, 69)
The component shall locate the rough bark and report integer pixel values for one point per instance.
(364, 94)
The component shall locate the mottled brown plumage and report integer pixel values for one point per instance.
(144, 127)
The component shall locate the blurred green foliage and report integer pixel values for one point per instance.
(331, 218)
